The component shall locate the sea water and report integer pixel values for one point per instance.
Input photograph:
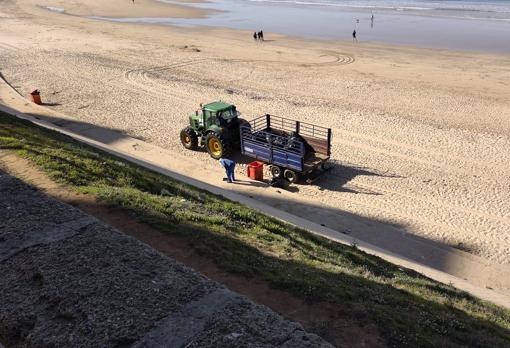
(447, 24)
(467, 9)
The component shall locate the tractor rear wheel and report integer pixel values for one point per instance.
(217, 146)
(291, 176)
(276, 172)
(189, 138)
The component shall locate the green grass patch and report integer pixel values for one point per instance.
(407, 308)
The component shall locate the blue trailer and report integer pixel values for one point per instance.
(293, 149)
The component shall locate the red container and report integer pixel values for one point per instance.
(256, 171)
(36, 97)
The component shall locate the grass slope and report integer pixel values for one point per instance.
(407, 308)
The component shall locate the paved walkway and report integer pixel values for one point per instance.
(69, 280)
(465, 271)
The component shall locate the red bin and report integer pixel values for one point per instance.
(256, 171)
(36, 97)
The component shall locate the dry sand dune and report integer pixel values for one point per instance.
(421, 137)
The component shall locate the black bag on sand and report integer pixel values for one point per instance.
(277, 182)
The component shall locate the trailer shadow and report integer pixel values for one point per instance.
(341, 174)
(335, 179)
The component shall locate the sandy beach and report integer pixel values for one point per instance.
(421, 137)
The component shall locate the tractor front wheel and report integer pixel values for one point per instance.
(217, 146)
(189, 138)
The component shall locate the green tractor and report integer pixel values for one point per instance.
(216, 127)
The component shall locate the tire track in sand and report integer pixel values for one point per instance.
(141, 77)
(7, 47)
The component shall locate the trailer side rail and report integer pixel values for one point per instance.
(319, 138)
(271, 148)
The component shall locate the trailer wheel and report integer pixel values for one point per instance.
(276, 172)
(291, 176)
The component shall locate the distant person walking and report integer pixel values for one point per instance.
(262, 35)
(255, 36)
(229, 166)
(354, 38)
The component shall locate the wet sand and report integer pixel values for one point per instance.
(421, 137)
(440, 29)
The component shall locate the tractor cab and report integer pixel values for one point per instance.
(217, 114)
(215, 126)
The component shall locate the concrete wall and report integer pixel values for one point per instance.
(68, 279)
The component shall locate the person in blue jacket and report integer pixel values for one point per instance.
(229, 166)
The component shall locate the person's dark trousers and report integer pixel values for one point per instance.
(229, 166)
(230, 172)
